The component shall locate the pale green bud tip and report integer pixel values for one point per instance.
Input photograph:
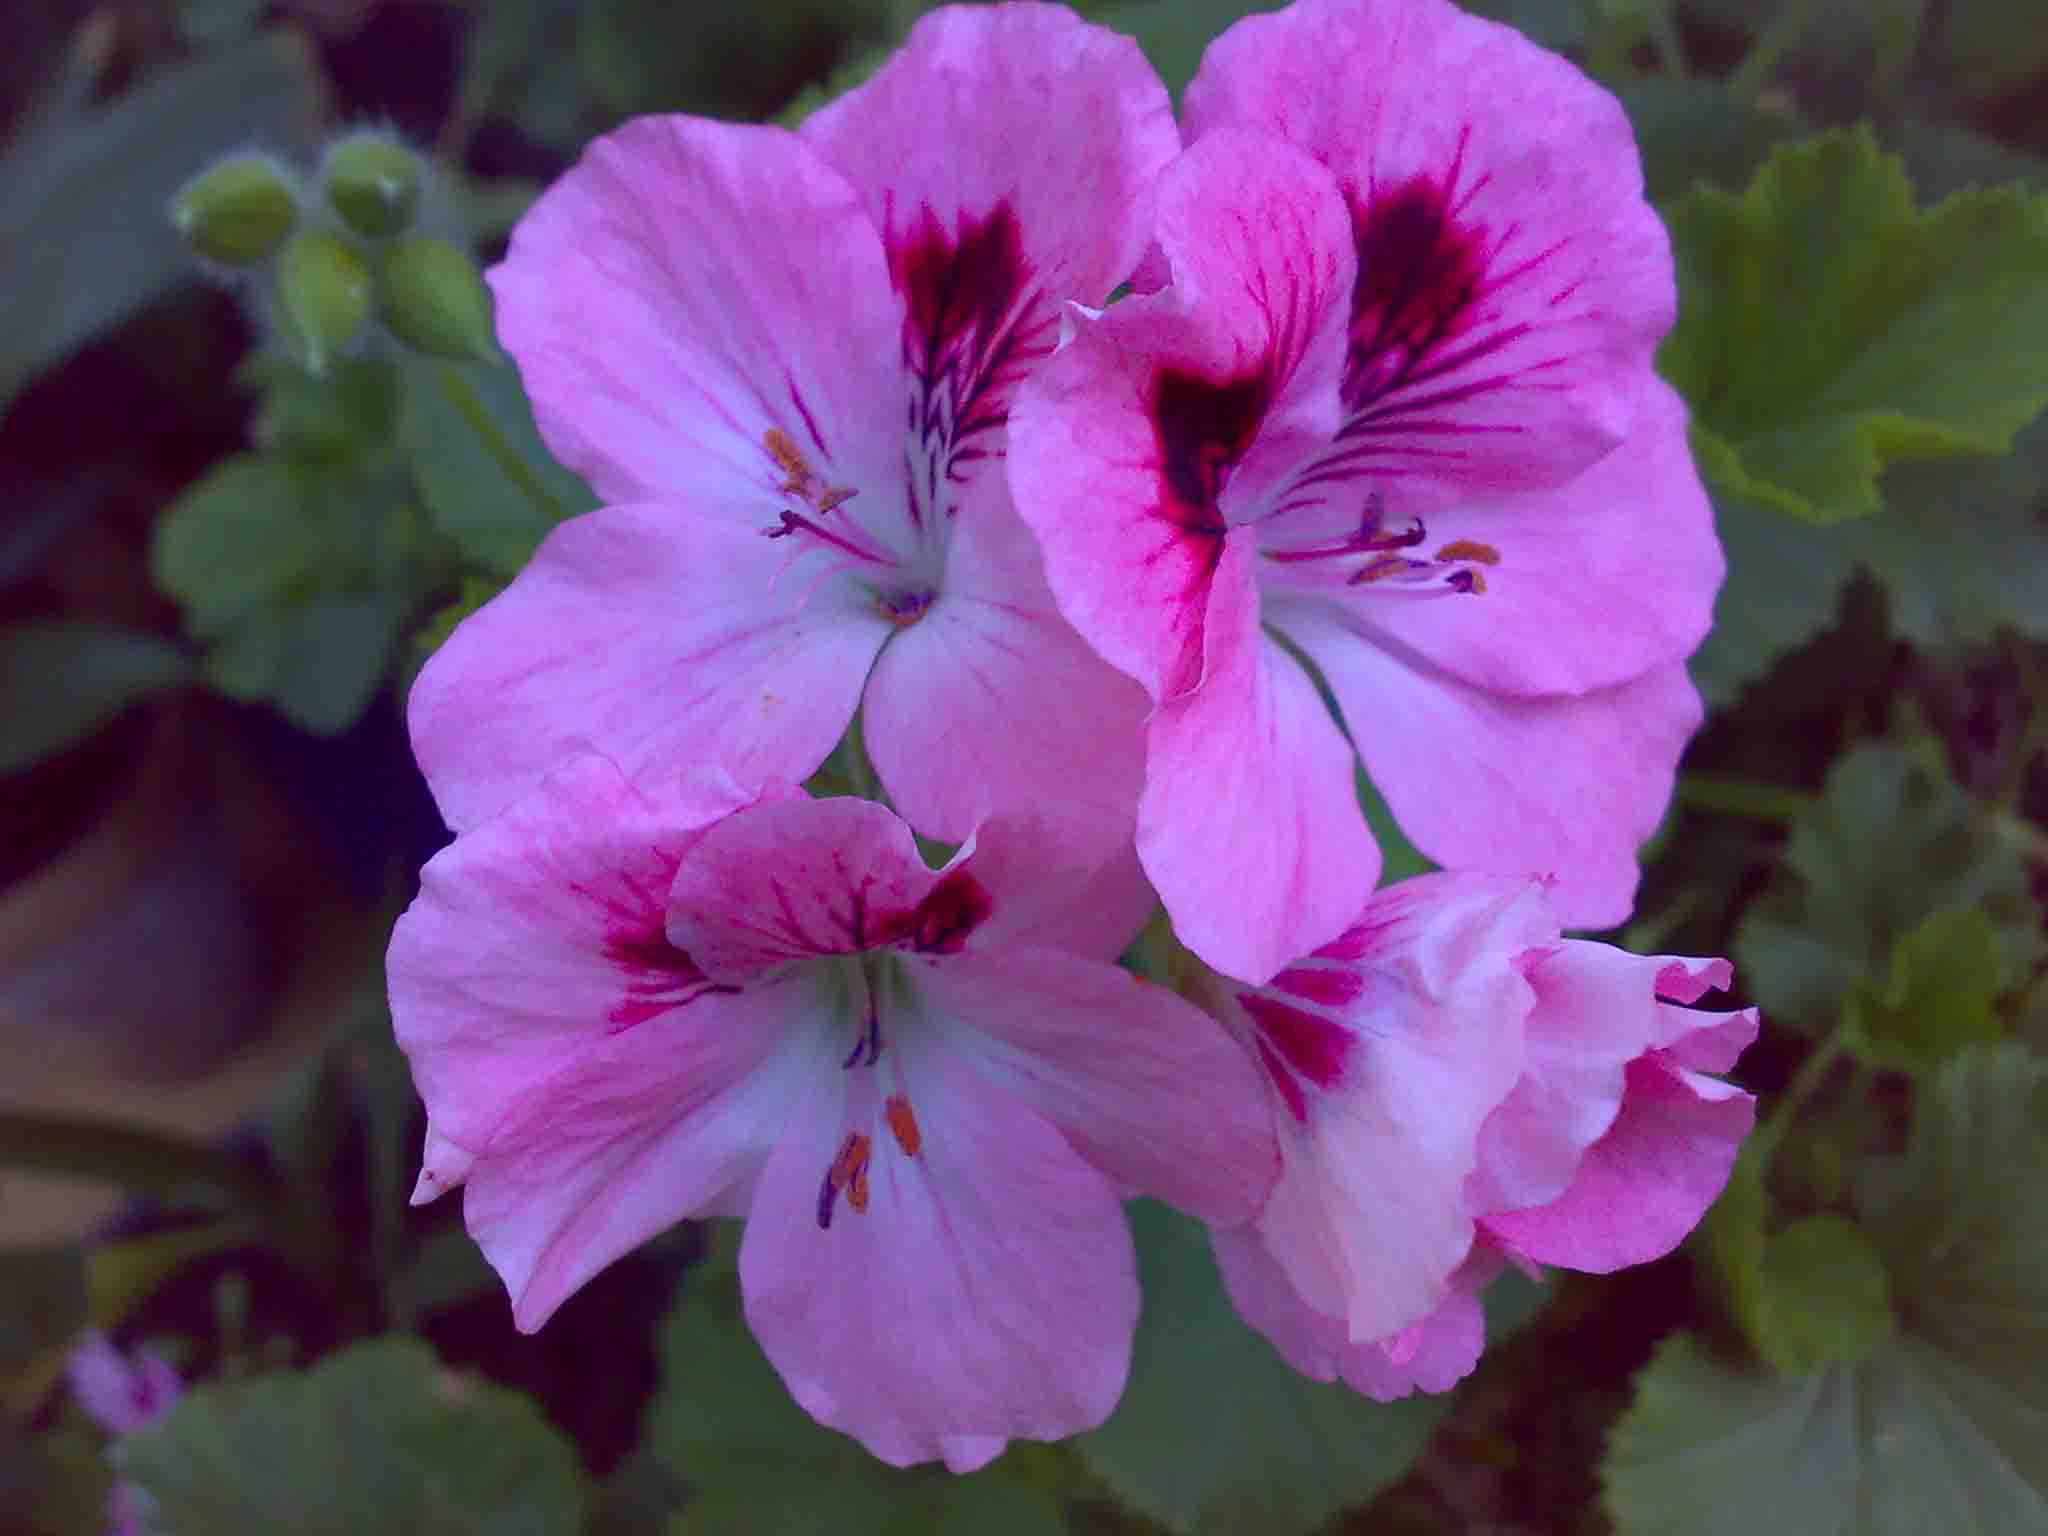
(323, 296)
(435, 299)
(373, 182)
(237, 211)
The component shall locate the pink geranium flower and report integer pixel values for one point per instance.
(1395, 418)
(927, 1091)
(1453, 1083)
(735, 331)
(121, 1394)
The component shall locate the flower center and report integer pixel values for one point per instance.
(1374, 555)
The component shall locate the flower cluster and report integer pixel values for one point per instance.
(1110, 596)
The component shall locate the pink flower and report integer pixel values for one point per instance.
(1393, 419)
(121, 1394)
(1453, 1082)
(927, 1091)
(735, 331)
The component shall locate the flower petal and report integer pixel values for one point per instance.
(1432, 1355)
(1388, 1050)
(1646, 1183)
(1564, 788)
(660, 639)
(798, 879)
(1006, 154)
(1513, 283)
(1595, 581)
(1250, 825)
(990, 701)
(689, 288)
(1146, 1087)
(987, 1292)
(1042, 891)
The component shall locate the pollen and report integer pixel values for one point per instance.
(904, 1124)
(1469, 549)
(848, 1175)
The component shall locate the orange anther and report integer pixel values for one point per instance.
(1470, 549)
(903, 1123)
(850, 1169)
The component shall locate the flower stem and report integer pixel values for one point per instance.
(462, 395)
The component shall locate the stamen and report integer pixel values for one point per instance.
(903, 1123)
(799, 480)
(1469, 549)
(1450, 571)
(869, 1040)
(848, 1173)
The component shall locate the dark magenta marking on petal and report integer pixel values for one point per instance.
(660, 976)
(1419, 275)
(1204, 429)
(1313, 1046)
(1334, 988)
(974, 325)
(957, 905)
(1283, 1080)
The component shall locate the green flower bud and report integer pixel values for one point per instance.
(434, 299)
(237, 211)
(323, 293)
(373, 182)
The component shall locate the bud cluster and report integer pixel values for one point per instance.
(356, 252)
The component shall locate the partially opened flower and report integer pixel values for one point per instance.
(1454, 1083)
(787, 361)
(1393, 420)
(927, 1091)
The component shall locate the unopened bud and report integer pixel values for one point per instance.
(237, 211)
(323, 292)
(434, 299)
(373, 182)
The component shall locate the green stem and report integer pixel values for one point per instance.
(1806, 1082)
(1730, 794)
(460, 394)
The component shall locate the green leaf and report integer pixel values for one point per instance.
(1174, 33)
(1946, 976)
(1962, 1227)
(1784, 586)
(254, 531)
(1824, 1296)
(376, 1438)
(1946, 1428)
(1829, 328)
(1215, 1432)
(1962, 546)
(486, 479)
(320, 661)
(724, 1422)
(83, 234)
(1889, 843)
(60, 682)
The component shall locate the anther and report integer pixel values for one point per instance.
(903, 1123)
(848, 1173)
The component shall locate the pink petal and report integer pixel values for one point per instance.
(803, 878)
(1645, 1184)
(121, 1393)
(1513, 282)
(1432, 1355)
(1249, 825)
(1563, 788)
(1130, 447)
(579, 1071)
(664, 640)
(1380, 1126)
(1044, 892)
(1025, 105)
(991, 701)
(1596, 581)
(689, 288)
(988, 1291)
(1596, 1011)
(673, 1119)
(1146, 1087)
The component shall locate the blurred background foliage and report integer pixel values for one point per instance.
(238, 505)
